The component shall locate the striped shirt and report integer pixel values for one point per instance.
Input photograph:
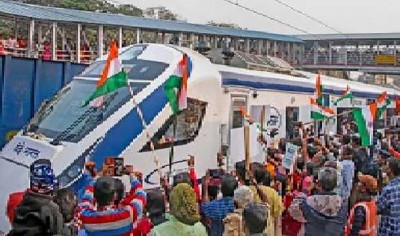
(111, 220)
(216, 211)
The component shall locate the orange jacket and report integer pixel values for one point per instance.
(370, 226)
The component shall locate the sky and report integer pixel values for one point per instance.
(347, 16)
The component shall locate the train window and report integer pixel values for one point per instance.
(144, 70)
(135, 69)
(189, 122)
(292, 117)
(238, 103)
(63, 118)
(390, 112)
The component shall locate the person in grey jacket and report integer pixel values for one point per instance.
(324, 213)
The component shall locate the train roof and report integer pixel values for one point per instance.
(263, 80)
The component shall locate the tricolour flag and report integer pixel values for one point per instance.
(318, 112)
(112, 78)
(176, 86)
(364, 118)
(347, 94)
(383, 102)
(318, 91)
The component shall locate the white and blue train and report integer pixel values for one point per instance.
(69, 134)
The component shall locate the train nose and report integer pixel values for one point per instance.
(13, 178)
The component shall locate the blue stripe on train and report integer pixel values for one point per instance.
(129, 127)
(291, 88)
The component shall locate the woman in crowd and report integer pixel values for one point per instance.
(184, 218)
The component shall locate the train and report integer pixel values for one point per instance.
(70, 134)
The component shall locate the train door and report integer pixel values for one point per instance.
(236, 120)
(292, 118)
(238, 103)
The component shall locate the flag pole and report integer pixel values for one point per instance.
(140, 113)
(172, 151)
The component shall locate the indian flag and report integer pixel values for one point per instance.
(364, 118)
(347, 94)
(176, 86)
(383, 102)
(318, 91)
(318, 112)
(249, 119)
(112, 78)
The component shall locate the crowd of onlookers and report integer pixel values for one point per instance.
(19, 48)
(334, 187)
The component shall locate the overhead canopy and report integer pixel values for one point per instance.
(36, 12)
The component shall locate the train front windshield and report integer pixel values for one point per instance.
(65, 119)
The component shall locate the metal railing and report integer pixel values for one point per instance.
(370, 59)
(47, 54)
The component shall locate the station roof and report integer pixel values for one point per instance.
(11, 8)
(350, 37)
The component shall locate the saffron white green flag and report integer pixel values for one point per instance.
(364, 118)
(318, 112)
(347, 94)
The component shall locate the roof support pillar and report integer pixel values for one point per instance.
(40, 34)
(377, 47)
(275, 48)
(163, 38)
(191, 41)
(138, 34)
(214, 40)
(54, 41)
(330, 52)
(180, 38)
(120, 37)
(78, 43)
(267, 47)
(63, 38)
(294, 48)
(288, 52)
(100, 39)
(316, 53)
(31, 38)
(156, 36)
(301, 53)
(247, 45)
(395, 52)
(16, 27)
(260, 46)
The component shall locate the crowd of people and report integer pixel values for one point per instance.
(19, 47)
(335, 187)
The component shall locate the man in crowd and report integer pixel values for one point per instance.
(273, 199)
(362, 218)
(388, 203)
(37, 214)
(217, 210)
(255, 218)
(359, 156)
(348, 170)
(99, 214)
(323, 213)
